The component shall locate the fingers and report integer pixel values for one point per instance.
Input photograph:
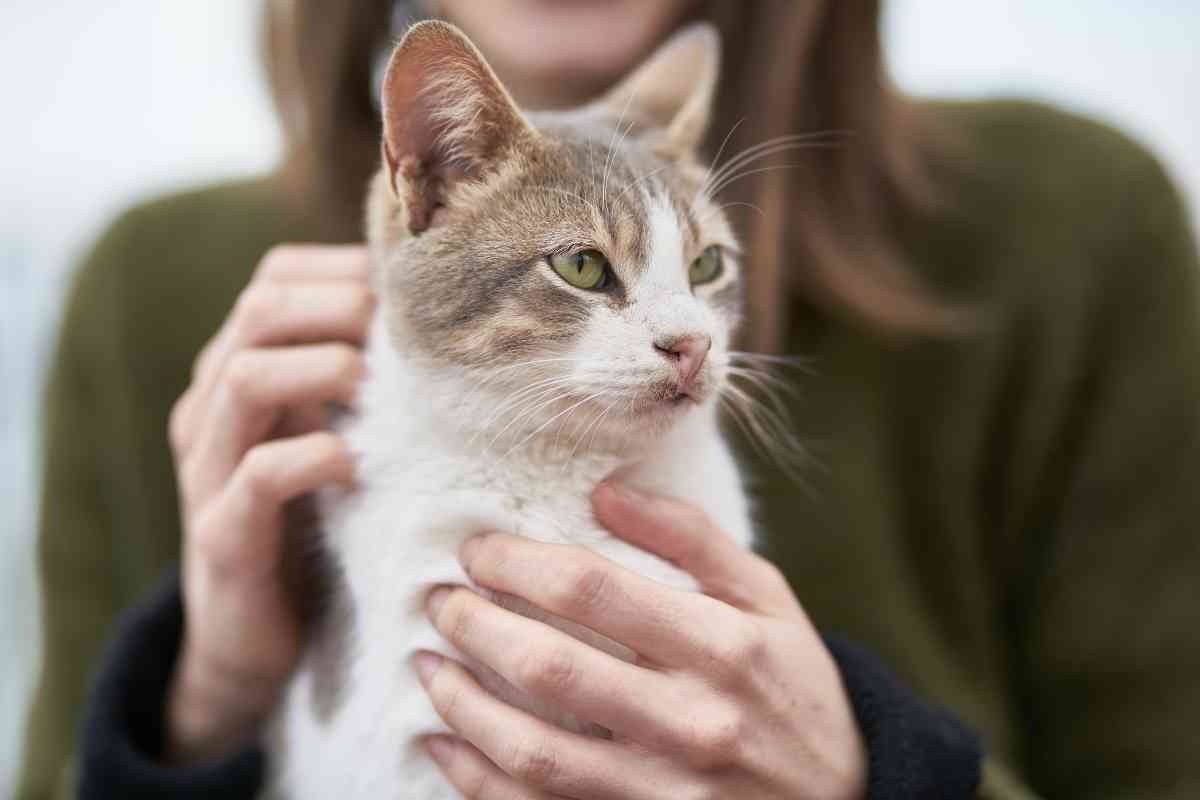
(283, 267)
(469, 771)
(669, 627)
(270, 475)
(299, 294)
(277, 314)
(562, 671)
(684, 535)
(250, 397)
(314, 262)
(533, 752)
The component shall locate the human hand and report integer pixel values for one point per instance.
(733, 693)
(249, 435)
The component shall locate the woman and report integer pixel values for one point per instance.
(1000, 302)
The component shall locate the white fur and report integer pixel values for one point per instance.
(432, 473)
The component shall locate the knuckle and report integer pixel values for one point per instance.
(259, 475)
(189, 469)
(551, 673)
(242, 376)
(740, 647)
(534, 762)
(693, 519)
(219, 552)
(278, 260)
(771, 573)
(257, 306)
(177, 432)
(348, 363)
(362, 301)
(588, 587)
(327, 447)
(715, 741)
(200, 363)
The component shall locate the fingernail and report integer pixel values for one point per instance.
(427, 665)
(441, 748)
(466, 553)
(436, 599)
(622, 491)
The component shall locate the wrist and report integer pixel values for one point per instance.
(211, 711)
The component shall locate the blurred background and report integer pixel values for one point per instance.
(109, 103)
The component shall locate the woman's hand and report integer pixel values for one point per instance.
(248, 435)
(733, 693)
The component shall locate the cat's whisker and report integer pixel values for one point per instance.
(492, 373)
(526, 396)
(721, 149)
(725, 183)
(594, 428)
(773, 361)
(609, 202)
(549, 398)
(543, 426)
(773, 145)
(718, 183)
(764, 381)
(767, 429)
(735, 413)
(734, 204)
(604, 392)
(531, 404)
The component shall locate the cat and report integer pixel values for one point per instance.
(557, 296)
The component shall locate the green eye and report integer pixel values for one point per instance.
(707, 267)
(584, 269)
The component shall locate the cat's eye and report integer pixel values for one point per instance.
(583, 269)
(707, 266)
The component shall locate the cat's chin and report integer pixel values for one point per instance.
(655, 417)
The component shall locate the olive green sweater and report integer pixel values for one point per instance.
(1009, 519)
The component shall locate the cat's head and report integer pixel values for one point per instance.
(567, 270)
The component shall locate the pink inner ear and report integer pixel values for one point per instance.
(444, 116)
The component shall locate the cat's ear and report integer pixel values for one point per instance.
(446, 117)
(674, 89)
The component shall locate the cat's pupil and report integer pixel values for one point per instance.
(579, 259)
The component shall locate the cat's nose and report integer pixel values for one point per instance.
(686, 354)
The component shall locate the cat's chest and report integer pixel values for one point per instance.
(403, 528)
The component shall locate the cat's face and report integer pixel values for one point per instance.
(568, 268)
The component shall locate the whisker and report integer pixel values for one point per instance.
(532, 407)
(775, 144)
(542, 427)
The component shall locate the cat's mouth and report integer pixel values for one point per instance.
(670, 397)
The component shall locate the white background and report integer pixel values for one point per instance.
(107, 103)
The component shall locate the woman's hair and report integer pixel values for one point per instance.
(818, 222)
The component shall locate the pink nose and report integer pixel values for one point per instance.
(687, 354)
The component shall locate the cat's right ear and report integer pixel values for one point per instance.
(674, 89)
(446, 118)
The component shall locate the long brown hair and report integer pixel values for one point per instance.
(824, 232)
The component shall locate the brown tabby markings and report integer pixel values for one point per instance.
(563, 192)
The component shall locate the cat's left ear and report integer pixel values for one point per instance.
(446, 118)
(673, 91)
